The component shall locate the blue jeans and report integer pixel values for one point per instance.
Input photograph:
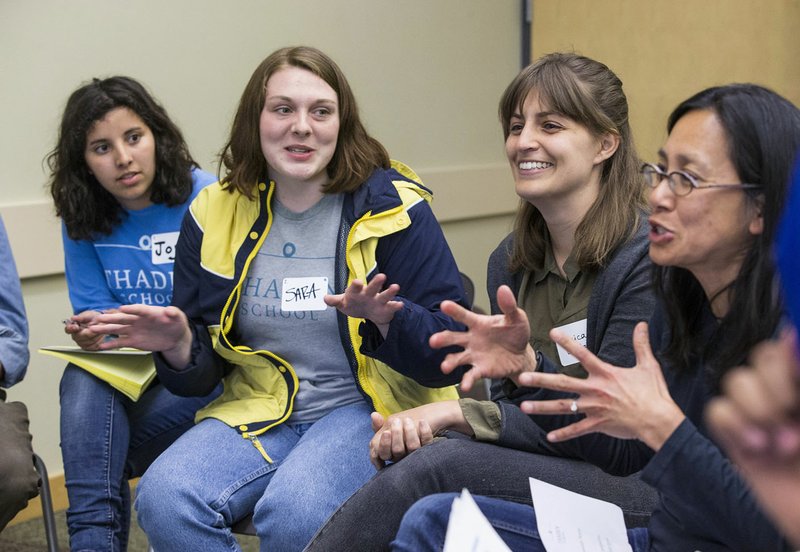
(107, 439)
(211, 477)
(425, 525)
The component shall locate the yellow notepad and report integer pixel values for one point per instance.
(129, 371)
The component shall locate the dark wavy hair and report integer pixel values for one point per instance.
(763, 135)
(589, 93)
(86, 208)
(356, 156)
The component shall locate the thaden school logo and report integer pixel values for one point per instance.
(142, 282)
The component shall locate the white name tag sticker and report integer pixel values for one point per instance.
(576, 331)
(304, 294)
(162, 247)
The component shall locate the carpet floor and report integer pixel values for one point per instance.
(29, 536)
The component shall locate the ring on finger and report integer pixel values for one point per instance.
(573, 406)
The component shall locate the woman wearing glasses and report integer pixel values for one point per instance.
(577, 259)
(715, 197)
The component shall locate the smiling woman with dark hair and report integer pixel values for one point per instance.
(577, 258)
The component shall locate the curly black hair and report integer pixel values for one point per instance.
(86, 208)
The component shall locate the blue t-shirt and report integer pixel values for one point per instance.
(134, 263)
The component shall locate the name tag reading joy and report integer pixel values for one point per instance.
(576, 331)
(304, 294)
(162, 247)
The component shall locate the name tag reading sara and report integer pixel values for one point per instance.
(304, 294)
(576, 331)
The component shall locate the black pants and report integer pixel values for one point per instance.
(371, 517)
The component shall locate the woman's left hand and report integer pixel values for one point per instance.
(368, 301)
(628, 403)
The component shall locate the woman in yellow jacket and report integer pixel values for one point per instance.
(310, 214)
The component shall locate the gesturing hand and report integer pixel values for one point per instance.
(149, 328)
(495, 345)
(368, 301)
(629, 403)
(757, 421)
(758, 414)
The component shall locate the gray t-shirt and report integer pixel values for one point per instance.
(300, 245)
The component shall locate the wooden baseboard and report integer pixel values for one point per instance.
(34, 508)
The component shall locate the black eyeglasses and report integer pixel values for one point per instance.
(680, 182)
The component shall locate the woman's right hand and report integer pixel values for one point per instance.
(495, 345)
(149, 328)
(404, 432)
(79, 327)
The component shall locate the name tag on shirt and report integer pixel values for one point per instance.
(304, 294)
(577, 331)
(162, 247)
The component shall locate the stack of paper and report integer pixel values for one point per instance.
(129, 371)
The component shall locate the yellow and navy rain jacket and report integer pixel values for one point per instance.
(387, 227)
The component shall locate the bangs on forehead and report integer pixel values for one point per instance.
(560, 91)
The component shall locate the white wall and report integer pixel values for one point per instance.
(427, 74)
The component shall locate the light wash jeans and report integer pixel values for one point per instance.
(107, 439)
(212, 477)
(424, 526)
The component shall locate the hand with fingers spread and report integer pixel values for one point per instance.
(79, 327)
(370, 301)
(628, 403)
(148, 328)
(496, 346)
(404, 432)
(757, 421)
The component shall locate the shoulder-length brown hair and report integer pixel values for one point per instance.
(589, 93)
(356, 156)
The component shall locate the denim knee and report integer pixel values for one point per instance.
(159, 496)
(424, 525)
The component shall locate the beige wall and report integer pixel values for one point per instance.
(427, 76)
(666, 50)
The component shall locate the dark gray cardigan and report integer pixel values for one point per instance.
(621, 297)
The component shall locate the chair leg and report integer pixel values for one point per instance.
(47, 506)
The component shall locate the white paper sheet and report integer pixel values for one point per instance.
(469, 530)
(570, 522)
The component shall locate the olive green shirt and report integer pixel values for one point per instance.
(550, 300)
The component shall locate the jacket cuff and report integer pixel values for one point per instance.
(483, 417)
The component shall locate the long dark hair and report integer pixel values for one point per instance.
(86, 208)
(763, 135)
(589, 93)
(357, 153)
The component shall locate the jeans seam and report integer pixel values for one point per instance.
(107, 466)
(238, 484)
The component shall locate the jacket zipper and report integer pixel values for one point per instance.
(256, 443)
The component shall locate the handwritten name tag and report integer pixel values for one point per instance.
(577, 331)
(162, 247)
(304, 294)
